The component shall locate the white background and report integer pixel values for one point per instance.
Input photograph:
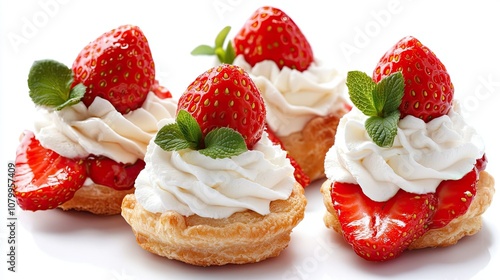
(349, 35)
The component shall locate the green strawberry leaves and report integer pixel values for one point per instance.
(185, 133)
(49, 84)
(380, 102)
(224, 55)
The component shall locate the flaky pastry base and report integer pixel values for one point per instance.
(97, 199)
(468, 224)
(244, 237)
(309, 146)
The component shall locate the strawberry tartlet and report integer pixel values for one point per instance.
(94, 122)
(304, 98)
(406, 170)
(216, 190)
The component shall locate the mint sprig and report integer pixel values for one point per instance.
(186, 133)
(380, 102)
(226, 55)
(49, 84)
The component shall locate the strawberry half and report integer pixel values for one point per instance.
(44, 179)
(299, 174)
(269, 34)
(225, 96)
(455, 196)
(380, 231)
(428, 91)
(107, 172)
(117, 66)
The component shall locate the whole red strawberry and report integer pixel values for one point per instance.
(428, 91)
(225, 96)
(43, 179)
(269, 34)
(117, 66)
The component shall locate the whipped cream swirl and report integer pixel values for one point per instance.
(190, 183)
(77, 131)
(423, 154)
(292, 97)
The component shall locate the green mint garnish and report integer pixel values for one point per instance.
(223, 142)
(50, 83)
(224, 55)
(190, 129)
(185, 133)
(380, 102)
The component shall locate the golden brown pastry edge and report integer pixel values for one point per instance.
(309, 146)
(97, 199)
(244, 237)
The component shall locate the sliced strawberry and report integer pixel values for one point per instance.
(160, 91)
(299, 174)
(117, 66)
(270, 34)
(107, 172)
(428, 91)
(225, 96)
(481, 163)
(44, 179)
(454, 198)
(380, 231)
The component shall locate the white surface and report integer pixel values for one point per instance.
(349, 35)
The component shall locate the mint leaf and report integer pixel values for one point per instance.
(360, 88)
(75, 95)
(186, 133)
(388, 93)
(230, 53)
(203, 50)
(383, 130)
(50, 83)
(223, 142)
(170, 138)
(380, 102)
(221, 37)
(224, 55)
(189, 128)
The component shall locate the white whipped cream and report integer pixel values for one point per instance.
(292, 97)
(190, 183)
(77, 131)
(423, 154)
